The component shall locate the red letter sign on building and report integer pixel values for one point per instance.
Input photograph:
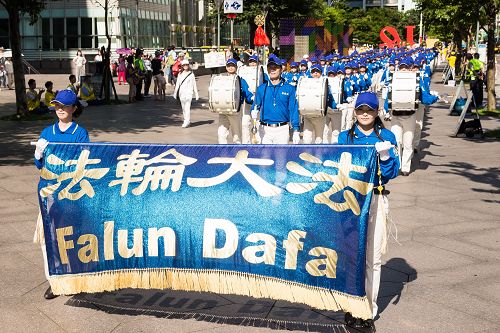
(396, 41)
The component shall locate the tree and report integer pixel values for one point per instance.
(16, 9)
(490, 9)
(107, 77)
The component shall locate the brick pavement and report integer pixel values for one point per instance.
(442, 277)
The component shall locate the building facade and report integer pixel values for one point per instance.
(67, 25)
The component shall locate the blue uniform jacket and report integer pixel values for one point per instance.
(246, 95)
(365, 81)
(277, 104)
(73, 134)
(390, 167)
(348, 88)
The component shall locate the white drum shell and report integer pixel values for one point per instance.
(404, 91)
(252, 75)
(311, 96)
(224, 94)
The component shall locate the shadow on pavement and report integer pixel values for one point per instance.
(15, 136)
(216, 308)
(396, 273)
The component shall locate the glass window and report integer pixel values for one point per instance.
(58, 33)
(46, 34)
(72, 32)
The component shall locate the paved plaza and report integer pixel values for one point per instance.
(442, 276)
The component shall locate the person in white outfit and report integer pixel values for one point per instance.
(79, 62)
(185, 88)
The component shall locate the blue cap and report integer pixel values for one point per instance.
(273, 59)
(313, 59)
(303, 62)
(283, 62)
(65, 97)
(331, 69)
(254, 58)
(316, 67)
(322, 58)
(231, 61)
(294, 64)
(367, 98)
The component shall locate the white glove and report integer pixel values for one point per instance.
(296, 137)
(387, 117)
(41, 144)
(383, 150)
(349, 99)
(255, 114)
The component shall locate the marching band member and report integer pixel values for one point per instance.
(403, 125)
(348, 88)
(304, 71)
(233, 122)
(185, 88)
(368, 130)
(275, 105)
(316, 124)
(365, 79)
(333, 121)
(292, 77)
(246, 120)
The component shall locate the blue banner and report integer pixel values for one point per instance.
(257, 215)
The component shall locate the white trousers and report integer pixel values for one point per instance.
(419, 124)
(333, 126)
(186, 109)
(274, 135)
(347, 116)
(403, 128)
(246, 126)
(229, 123)
(377, 231)
(314, 125)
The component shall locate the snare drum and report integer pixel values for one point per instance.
(252, 75)
(311, 96)
(224, 94)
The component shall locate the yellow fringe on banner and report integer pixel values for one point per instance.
(216, 281)
(38, 237)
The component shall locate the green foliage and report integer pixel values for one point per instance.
(30, 7)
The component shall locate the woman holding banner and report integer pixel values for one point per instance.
(369, 130)
(67, 107)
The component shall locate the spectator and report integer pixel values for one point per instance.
(79, 62)
(98, 62)
(73, 85)
(3, 76)
(131, 75)
(50, 95)
(156, 64)
(140, 73)
(177, 67)
(87, 92)
(9, 67)
(161, 86)
(33, 99)
(122, 68)
(186, 53)
(148, 76)
(171, 58)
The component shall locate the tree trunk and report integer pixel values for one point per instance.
(457, 39)
(106, 73)
(17, 62)
(490, 68)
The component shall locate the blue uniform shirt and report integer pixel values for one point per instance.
(75, 133)
(277, 104)
(390, 167)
